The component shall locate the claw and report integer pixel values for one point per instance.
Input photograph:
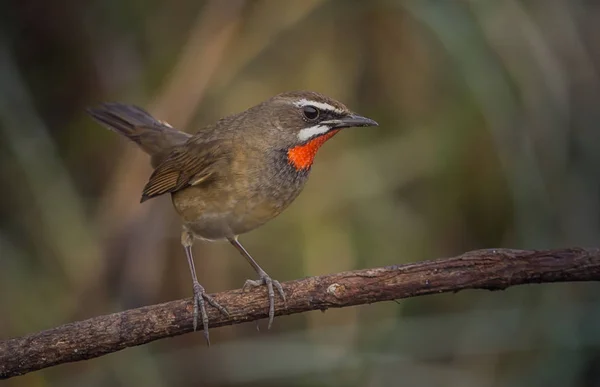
(199, 297)
(264, 279)
(270, 283)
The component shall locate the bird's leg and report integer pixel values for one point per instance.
(264, 279)
(187, 239)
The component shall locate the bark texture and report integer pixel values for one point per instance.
(492, 269)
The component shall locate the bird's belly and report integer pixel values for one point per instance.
(227, 215)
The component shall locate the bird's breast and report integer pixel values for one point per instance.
(250, 194)
(265, 189)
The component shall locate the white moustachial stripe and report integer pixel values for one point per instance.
(308, 133)
(319, 105)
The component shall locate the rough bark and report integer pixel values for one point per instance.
(483, 269)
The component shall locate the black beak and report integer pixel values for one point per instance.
(351, 120)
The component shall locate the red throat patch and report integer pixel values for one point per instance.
(302, 156)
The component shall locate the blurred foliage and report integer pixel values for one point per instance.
(488, 137)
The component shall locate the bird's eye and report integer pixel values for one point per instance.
(310, 112)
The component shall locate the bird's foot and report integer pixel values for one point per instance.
(199, 308)
(270, 283)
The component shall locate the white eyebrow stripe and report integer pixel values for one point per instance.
(319, 105)
(316, 130)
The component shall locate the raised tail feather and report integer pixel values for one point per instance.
(154, 137)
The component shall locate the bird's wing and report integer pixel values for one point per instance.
(188, 165)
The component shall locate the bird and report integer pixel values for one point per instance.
(234, 175)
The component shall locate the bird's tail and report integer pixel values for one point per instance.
(155, 137)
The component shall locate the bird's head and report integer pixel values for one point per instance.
(299, 122)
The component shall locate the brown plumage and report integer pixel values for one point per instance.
(236, 174)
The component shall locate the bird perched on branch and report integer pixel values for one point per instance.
(236, 174)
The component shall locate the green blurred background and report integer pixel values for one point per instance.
(488, 137)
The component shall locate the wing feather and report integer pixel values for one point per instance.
(191, 164)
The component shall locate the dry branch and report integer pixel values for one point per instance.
(482, 269)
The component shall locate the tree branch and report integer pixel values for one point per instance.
(482, 269)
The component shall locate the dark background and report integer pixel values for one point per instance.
(488, 137)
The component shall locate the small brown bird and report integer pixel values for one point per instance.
(236, 174)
